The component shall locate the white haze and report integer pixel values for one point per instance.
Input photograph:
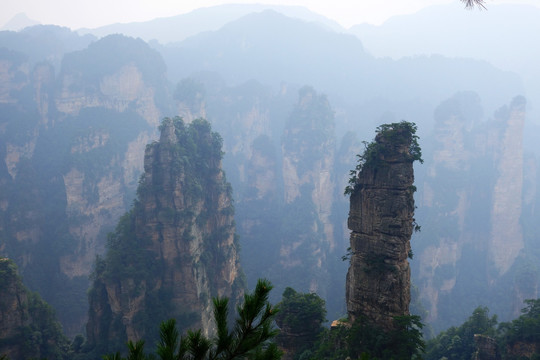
(91, 14)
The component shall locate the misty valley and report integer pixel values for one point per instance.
(267, 189)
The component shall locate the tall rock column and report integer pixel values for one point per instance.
(381, 223)
(175, 250)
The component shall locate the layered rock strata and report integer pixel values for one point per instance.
(175, 250)
(381, 224)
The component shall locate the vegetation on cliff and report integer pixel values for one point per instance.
(381, 220)
(513, 340)
(365, 340)
(28, 326)
(388, 137)
(174, 250)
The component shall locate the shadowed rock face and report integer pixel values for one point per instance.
(381, 224)
(175, 250)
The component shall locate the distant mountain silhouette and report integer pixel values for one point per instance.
(19, 22)
(179, 27)
(504, 35)
(272, 48)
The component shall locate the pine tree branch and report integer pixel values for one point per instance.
(469, 4)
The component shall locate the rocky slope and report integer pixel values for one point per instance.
(175, 250)
(381, 224)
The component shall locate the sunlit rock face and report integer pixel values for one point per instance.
(176, 249)
(381, 224)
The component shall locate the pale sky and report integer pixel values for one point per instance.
(94, 13)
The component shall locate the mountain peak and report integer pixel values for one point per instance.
(19, 22)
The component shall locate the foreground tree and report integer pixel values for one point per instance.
(249, 338)
(300, 320)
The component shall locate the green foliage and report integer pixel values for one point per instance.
(525, 329)
(512, 337)
(388, 136)
(41, 335)
(300, 318)
(364, 340)
(458, 342)
(249, 338)
(301, 312)
(196, 155)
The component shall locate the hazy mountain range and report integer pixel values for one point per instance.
(245, 68)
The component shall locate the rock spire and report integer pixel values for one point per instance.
(381, 223)
(175, 250)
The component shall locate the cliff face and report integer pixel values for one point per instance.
(280, 151)
(308, 148)
(506, 237)
(381, 224)
(175, 250)
(72, 143)
(472, 200)
(28, 327)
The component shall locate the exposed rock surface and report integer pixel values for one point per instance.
(472, 200)
(486, 348)
(72, 144)
(308, 149)
(175, 250)
(381, 224)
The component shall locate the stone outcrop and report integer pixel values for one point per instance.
(381, 224)
(175, 250)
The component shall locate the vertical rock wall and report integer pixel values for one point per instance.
(308, 148)
(381, 224)
(175, 250)
(73, 145)
(473, 241)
